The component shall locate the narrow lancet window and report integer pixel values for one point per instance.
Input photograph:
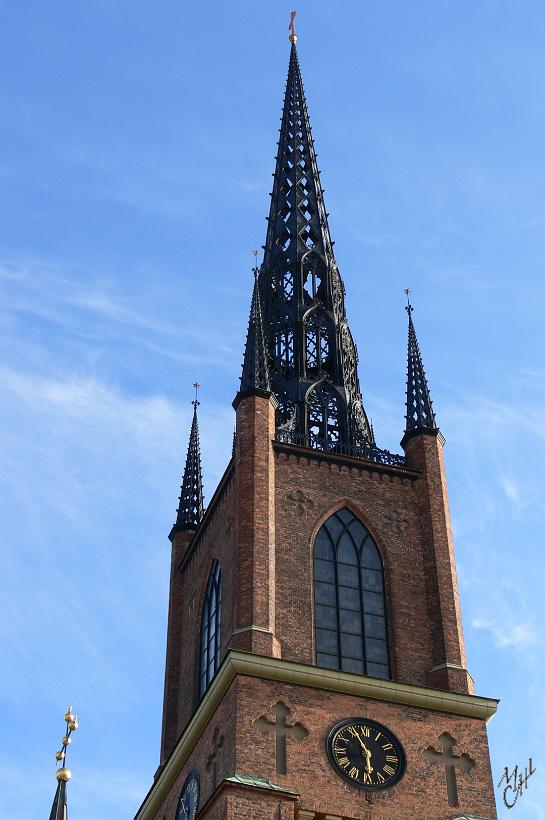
(210, 644)
(349, 605)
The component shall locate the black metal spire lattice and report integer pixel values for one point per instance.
(255, 369)
(420, 416)
(59, 809)
(312, 358)
(190, 508)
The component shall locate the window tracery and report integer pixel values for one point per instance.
(349, 604)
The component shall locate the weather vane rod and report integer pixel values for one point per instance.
(407, 292)
(293, 35)
(196, 401)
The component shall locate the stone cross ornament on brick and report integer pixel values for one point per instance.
(450, 761)
(297, 502)
(282, 730)
(212, 762)
(395, 522)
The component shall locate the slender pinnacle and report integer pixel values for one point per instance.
(191, 509)
(420, 416)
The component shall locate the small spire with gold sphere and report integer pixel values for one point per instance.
(293, 35)
(59, 810)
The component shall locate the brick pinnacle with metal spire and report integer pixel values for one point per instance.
(59, 809)
(190, 508)
(420, 417)
(255, 379)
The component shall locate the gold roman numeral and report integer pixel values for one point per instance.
(344, 762)
(380, 778)
(366, 731)
(388, 769)
(367, 779)
(386, 746)
(354, 772)
(391, 758)
(379, 734)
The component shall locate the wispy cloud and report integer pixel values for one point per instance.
(522, 636)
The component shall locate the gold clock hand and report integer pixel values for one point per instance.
(367, 753)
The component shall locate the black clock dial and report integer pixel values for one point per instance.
(366, 754)
(188, 804)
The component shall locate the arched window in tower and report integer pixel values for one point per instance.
(317, 344)
(323, 417)
(210, 644)
(349, 605)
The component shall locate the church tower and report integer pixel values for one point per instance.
(315, 662)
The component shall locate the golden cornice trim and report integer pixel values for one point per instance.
(277, 669)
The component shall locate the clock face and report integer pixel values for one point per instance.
(188, 805)
(366, 754)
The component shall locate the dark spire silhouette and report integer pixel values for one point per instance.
(255, 369)
(59, 809)
(420, 417)
(190, 508)
(312, 358)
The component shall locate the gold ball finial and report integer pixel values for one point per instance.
(293, 38)
(63, 774)
(69, 716)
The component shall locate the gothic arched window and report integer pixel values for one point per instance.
(317, 343)
(210, 630)
(323, 417)
(349, 605)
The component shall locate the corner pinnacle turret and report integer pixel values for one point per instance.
(420, 417)
(190, 508)
(255, 369)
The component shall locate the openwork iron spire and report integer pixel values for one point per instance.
(312, 358)
(255, 369)
(190, 509)
(59, 809)
(420, 417)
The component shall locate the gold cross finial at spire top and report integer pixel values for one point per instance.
(293, 35)
(195, 402)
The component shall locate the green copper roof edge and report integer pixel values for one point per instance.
(277, 669)
(258, 782)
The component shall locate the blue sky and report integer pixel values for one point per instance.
(136, 152)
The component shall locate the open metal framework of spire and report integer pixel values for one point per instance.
(311, 356)
(420, 417)
(255, 369)
(191, 508)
